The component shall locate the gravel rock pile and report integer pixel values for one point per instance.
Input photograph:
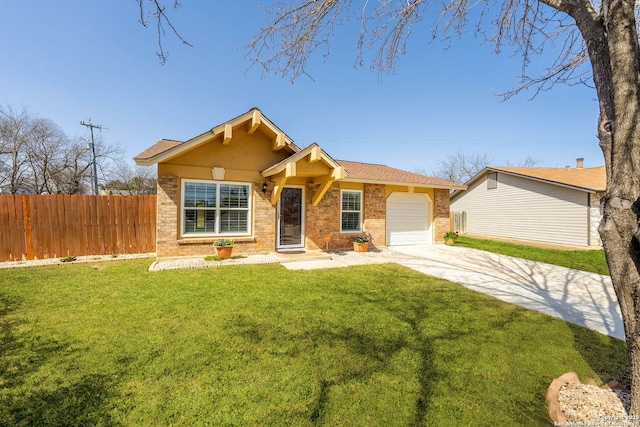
(200, 262)
(588, 403)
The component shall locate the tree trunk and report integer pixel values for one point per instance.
(622, 251)
(619, 133)
(612, 43)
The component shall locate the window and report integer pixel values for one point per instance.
(350, 211)
(215, 208)
(492, 180)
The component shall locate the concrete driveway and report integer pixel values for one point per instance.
(586, 299)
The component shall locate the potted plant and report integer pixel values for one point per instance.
(361, 243)
(450, 237)
(224, 247)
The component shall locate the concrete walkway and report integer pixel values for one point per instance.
(586, 299)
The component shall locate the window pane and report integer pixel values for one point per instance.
(189, 195)
(350, 221)
(216, 208)
(234, 196)
(350, 201)
(199, 195)
(234, 222)
(199, 221)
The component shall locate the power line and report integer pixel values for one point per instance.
(91, 126)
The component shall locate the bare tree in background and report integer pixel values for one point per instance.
(36, 156)
(602, 34)
(528, 162)
(76, 172)
(14, 138)
(131, 180)
(461, 166)
(45, 152)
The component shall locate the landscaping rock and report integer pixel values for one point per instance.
(555, 412)
(571, 401)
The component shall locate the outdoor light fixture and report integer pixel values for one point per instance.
(264, 187)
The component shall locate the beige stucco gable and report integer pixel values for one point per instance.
(247, 127)
(241, 159)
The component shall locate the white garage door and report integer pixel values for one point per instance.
(408, 220)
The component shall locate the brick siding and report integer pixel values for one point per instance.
(320, 220)
(442, 221)
(324, 219)
(375, 213)
(167, 220)
(168, 243)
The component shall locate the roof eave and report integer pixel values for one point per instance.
(144, 162)
(548, 181)
(178, 149)
(404, 183)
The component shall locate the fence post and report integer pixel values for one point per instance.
(28, 233)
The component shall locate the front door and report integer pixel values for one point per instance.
(291, 218)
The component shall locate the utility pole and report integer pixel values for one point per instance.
(91, 126)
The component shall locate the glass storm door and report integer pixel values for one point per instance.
(290, 218)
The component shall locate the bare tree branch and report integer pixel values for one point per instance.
(299, 29)
(157, 12)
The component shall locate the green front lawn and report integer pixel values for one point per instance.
(586, 260)
(370, 345)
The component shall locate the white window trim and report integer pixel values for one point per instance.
(217, 226)
(359, 230)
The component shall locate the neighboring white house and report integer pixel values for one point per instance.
(551, 205)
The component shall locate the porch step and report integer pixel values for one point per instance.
(299, 255)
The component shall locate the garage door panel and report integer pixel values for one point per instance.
(408, 220)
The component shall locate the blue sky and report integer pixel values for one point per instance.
(73, 60)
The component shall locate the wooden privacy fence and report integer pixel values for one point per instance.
(60, 225)
(459, 220)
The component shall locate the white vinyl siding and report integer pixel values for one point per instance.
(526, 209)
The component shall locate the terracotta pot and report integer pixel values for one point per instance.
(449, 242)
(224, 252)
(360, 247)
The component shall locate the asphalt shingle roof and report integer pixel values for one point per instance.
(157, 148)
(373, 172)
(594, 178)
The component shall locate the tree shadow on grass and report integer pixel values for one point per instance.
(83, 403)
(586, 301)
(80, 402)
(367, 353)
(607, 356)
